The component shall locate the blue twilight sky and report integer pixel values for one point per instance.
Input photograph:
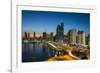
(41, 21)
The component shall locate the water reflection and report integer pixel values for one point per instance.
(34, 52)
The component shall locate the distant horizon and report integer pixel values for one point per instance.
(47, 21)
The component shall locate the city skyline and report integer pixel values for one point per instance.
(47, 21)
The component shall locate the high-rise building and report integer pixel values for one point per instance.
(81, 38)
(52, 36)
(88, 39)
(60, 32)
(26, 35)
(72, 36)
(44, 35)
(34, 35)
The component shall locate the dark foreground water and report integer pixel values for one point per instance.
(35, 52)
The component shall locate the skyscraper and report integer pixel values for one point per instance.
(88, 39)
(60, 32)
(81, 38)
(34, 35)
(26, 35)
(52, 36)
(72, 36)
(44, 35)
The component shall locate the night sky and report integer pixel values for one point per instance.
(41, 21)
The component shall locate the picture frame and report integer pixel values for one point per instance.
(16, 57)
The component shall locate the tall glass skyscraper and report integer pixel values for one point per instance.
(60, 32)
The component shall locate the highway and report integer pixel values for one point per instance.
(68, 56)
